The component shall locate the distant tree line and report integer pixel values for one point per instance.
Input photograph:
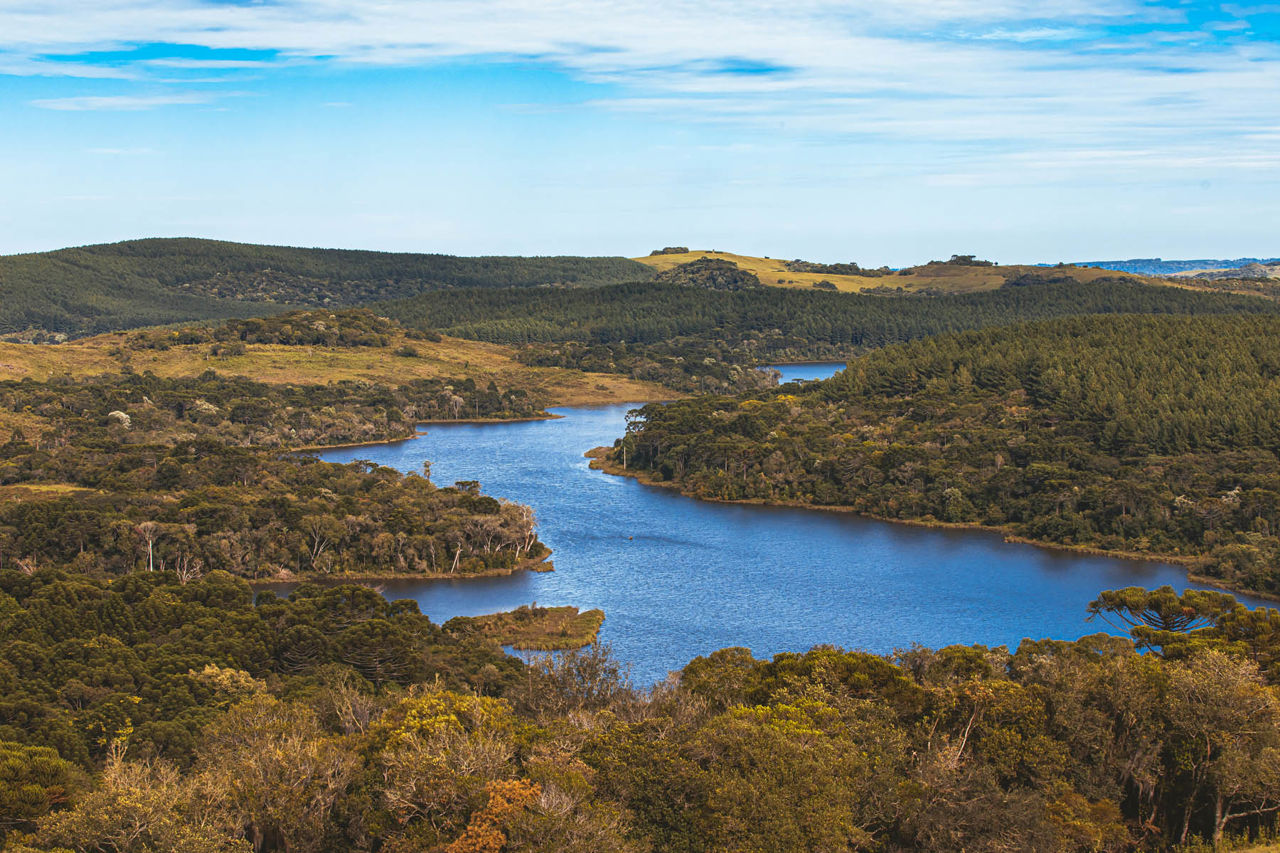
(667, 332)
(836, 269)
(649, 312)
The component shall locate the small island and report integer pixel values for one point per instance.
(532, 628)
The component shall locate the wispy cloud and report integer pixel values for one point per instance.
(208, 64)
(120, 152)
(1014, 73)
(120, 102)
(1032, 34)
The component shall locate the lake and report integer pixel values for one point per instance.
(678, 578)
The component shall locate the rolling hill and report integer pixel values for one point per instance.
(392, 360)
(114, 286)
(935, 277)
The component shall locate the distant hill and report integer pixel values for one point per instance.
(961, 274)
(1267, 270)
(1159, 266)
(148, 282)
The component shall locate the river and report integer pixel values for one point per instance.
(678, 578)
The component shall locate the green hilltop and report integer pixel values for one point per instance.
(115, 286)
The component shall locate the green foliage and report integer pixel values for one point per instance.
(34, 780)
(273, 727)
(145, 661)
(835, 269)
(712, 274)
(351, 327)
(705, 341)
(776, 321)
(1143, 434)
(148, 282)
(1179, 626)
(186, 475)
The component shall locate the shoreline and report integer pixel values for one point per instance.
(537, 564)
(419, 433)
(600, 462)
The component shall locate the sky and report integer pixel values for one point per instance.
(886, 132)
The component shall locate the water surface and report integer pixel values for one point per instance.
(678, 577)
(808, 370)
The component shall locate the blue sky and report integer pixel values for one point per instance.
(881, 132)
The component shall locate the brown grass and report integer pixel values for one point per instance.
(533, 628)
(450, 358)
(951, 279)
(39, 491)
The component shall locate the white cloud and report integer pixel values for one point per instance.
(119, 102)
(959, 72)
(121, 152)
(1032, 34)
(208, 64)
(29, 66)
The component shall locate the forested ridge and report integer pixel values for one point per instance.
(1154, 435)
(114, 286)
(779, 320)
(147, 714)
(705, 341)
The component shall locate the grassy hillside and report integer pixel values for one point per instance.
(941, 277)
(397, 360)
(149, 282)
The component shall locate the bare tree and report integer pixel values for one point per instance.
(149, 532)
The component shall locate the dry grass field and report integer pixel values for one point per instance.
(948, 278)
(450, 358)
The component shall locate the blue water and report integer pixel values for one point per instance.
(808, 370)
(678, 577)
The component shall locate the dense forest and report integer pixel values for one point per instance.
(703, 341)
(133, 471)
(147, 715)
(150, 702)
(149, 282)
(773, 320)
(111, 473)
(1155, 435)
